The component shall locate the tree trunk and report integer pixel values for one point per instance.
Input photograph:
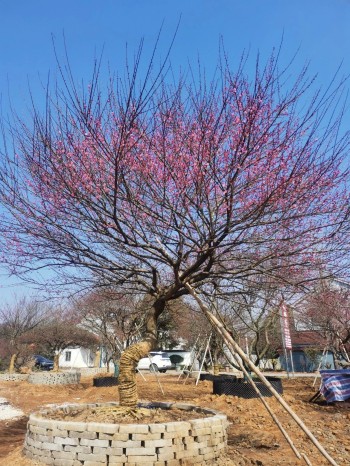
(12, 363)
(56, 365)
(97, 359)
(127, 365)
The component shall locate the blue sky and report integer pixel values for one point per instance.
(318, 28)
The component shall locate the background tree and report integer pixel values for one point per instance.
(115, 317)
(16, 321)
(156, 184)
(326, 310)
(59, 331)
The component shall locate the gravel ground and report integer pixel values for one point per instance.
(7, 411)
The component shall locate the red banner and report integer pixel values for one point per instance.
(285, 327)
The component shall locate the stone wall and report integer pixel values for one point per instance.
(63, 443)
(54, 378)
(13, 377)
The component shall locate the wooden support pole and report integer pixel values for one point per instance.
(264, 402)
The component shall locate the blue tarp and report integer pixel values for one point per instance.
(335, 385)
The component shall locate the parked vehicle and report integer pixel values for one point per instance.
(43, 363)
(157, 361)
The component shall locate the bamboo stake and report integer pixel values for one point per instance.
(307, 461)
(194, 355)
(205, 353)
(320, 364)
(156, 375)
(228, 338)
(139, 372)
(193, 363)
(262, 399)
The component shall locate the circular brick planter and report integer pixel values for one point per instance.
(198, 441)
(54, 378)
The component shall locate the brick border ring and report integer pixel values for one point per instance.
(198, 441)
(54, 378)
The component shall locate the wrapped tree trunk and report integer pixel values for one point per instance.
(97, 358)
(12, 363)
(131, 356)
(56, 365)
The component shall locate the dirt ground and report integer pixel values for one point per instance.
(253, 437)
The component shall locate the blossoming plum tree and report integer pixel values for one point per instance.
(158, 183)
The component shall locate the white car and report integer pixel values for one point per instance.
(156, 362)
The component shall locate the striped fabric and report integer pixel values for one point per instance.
(335, 385)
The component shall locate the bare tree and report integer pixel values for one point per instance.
(16, 321)
(326, 310)
(155, 184)
(117, 319)
(59, 331)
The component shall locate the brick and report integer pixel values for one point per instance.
(108, 451)
(205, 450)
(60, 433)
(40, 459)
(93, 463)
(182, 433)
(41, 422)
(74, 426)
(201, 431)
(217, 429)
(39, 452)
(64, 455)
(127, 444)
(89, 435)
(200, 424)
(183, 454)
(141, 459)
(203, 438)
(37, 429)
(134, 429)
(149, 436)
(100, 427)
(172, 434)
(178, 427)
(155, 428)
(158, 443)
(183, 406)
(102, 435)
(140, 451)
(122, 436)
(66, 441)
(52, 446)
(91, 457)
(94, 443)
(44, 438)
(33, 443)
(172, 463)
(210, 456)
(79, 449)
(164, 455)
(117, 460)
(60, 462)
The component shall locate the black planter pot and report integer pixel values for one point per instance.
(105, 381)
(213, 377)
(244, 389)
